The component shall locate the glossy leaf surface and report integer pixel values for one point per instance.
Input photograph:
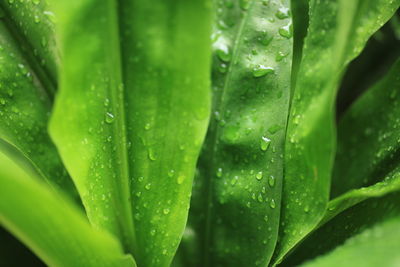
(373, 247)
(338, 30)
(137, 111)
(236, 199)
(25, 104)
(53, 227)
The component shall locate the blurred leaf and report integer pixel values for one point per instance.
(52, 226)
(378, 246)
(132, 113)
(368, 136)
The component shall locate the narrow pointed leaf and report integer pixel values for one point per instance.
(350, 222)
(50, 225)
(338, 30)
(368, 135)
(135, 85)
(378, 246)
(25, 105)
(237, 203)
(31, 24)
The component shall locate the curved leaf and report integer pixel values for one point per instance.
(129, 121)
(346, 224)
(50, 225)
(378, 246)
(236, 215)
(24, 111)
(368, 136)
(337, 33)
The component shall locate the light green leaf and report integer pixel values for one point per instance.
(378, 246)
(132, 113)
(25, 103)
(52, 226)
(236, 203)
(338, 31)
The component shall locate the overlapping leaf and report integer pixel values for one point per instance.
(132, 113)
(337, 33)
(236, 202)
(26, 92)
(53, 227)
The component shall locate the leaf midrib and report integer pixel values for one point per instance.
(214, 137)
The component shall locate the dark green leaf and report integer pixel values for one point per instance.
(378, 246)
(368, 136)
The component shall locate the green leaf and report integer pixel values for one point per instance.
(131, 114)
(25, 103)
(346, 224)
(236, 200)
(378, 246)
(52, 226)
(338, 30)
(371, 111)
(31, 24)
(368, 136)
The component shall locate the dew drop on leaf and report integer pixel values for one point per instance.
(286, 31)
(109, 117)
(282, 13)
(272, 204)
(265, 143)
(271, 181)
(259, 175)
(219, 172)
(261, 70)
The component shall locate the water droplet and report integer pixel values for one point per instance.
(219, 172)
(280, 55)
(180, 179)
(259, 175)
(147, 126)
(266, 218)
(36, 2)
(109, 117)
(265, 143)
(224, 53)
(260, 198)
(171, 173)
(272, 204)
(271, 181)
(151, 154)
(282, 13)
(223, 68)
(306, 209)
(166, 211)
(37, 19)
(147, 186)
(286, 31)
(11, 2)
(261, 70)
